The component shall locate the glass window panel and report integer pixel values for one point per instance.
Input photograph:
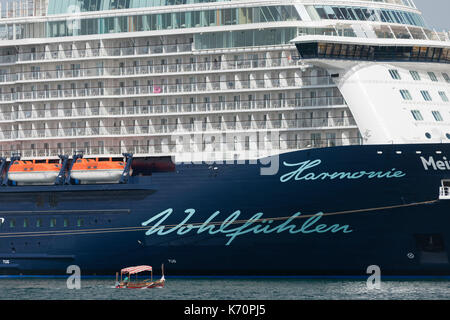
(275, 13)
(443, 96)
(359, 14)
(417, 115)
(195, 16)
(330, 13)
(351, 13)
(338, 13)
(321, 12)
(346, 14)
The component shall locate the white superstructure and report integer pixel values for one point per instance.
(215, 78)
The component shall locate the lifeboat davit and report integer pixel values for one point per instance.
(95, 171)
(31, 172)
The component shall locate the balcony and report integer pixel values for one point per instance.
(137, 129)
(156, 148)
(145, 90)
(96, 52)
(175, 108)
(137, 71)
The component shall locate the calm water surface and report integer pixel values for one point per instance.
(225, 289)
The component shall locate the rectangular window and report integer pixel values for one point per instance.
(25, 223)
(39, 223)
(66, 222)
(426, 95)
(437, 116)
(432, 76)
(415, 75)
(417, 115)
(394, 74)
(443, 96)
(405, 94)
(52, 223)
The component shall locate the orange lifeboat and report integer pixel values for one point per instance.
(95, 171)
(32, 172)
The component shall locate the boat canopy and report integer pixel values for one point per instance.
(137, 269)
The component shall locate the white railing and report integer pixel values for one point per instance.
(181, 128)
(173, 108)
(172, 148)
(99, 72)
(145, 90)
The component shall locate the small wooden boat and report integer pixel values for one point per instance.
(32, 172)
(129, 283)
(95, 171)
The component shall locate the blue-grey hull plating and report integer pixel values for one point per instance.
(331, 211)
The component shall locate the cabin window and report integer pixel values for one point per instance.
(426, 95)
(417, 115)
(443, 96)
(394, 74)
(446, 77)
(25, 223)
(66, 222)
(405, 94)
(415, 75)
(432, 76)
(12, 223)
(39, 223)
(52, 223)
(80, 222)
(437, 115)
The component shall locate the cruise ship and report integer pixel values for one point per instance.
(223, 137)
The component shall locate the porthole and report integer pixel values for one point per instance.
(428, 135)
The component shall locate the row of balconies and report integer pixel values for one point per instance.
(171, 148)
(170, 109)
(61, 133)
(96, 52)
(96, 72)
(278, 83)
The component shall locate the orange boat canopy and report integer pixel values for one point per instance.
(23, 166)
(93, 164)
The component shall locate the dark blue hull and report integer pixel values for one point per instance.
(336, 212)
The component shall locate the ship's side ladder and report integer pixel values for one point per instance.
(126, 170)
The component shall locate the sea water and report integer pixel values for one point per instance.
(180, 288)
